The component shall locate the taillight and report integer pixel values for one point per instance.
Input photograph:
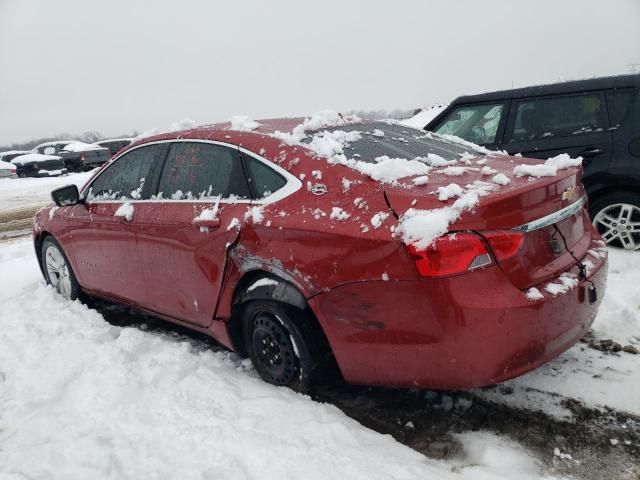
(452, 254)
(505, 244)
(82, 157)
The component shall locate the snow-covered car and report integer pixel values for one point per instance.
(413, 260)
(7, 170)
(39, 165)
(11, 154)
(114, 144)
(77, 155)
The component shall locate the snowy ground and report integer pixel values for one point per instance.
(83, 398)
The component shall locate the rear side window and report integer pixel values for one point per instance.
(125, 178)
(619, 102)
(559, 116)
(200, 171)
(474, 123)
(265, 180)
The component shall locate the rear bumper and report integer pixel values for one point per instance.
(457, 333)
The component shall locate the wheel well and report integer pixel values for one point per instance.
(37, 243)
(598, 194)
(294, 301)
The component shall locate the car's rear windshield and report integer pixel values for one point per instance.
(396, 141)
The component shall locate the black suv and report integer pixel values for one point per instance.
(597, 119)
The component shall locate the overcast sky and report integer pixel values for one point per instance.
(118, 65)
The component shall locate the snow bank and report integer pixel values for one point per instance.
(81, 398)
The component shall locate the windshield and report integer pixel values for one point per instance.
(395, 141)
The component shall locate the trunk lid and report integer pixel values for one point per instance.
(548, 211)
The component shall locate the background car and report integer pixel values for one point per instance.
(114, 144)
(7, 170)
(77, 156)
(11, 154)
(39, 165)
(597, 119)
(291, 245)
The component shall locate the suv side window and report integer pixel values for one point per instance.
(619, 102)
(50, 150)
(474, 123)
(125, 178)
(560, 116)
(265, 180)
(200, 171)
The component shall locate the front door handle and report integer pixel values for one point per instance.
(591, 152)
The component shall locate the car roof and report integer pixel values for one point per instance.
(104, 140)
(618, 81)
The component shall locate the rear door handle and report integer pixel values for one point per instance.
(591, 152)
(211, 223)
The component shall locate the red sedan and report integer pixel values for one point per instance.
(414, 260)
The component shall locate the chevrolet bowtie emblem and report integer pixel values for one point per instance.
(569, 193)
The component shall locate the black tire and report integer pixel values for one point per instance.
(73, 287)
(613, 233)
(280, 344)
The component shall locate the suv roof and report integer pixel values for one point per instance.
(618, 81)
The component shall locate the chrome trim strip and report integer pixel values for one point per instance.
(552, 218)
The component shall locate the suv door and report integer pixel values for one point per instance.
(103, 235)
(576, 124)
(482, 124)
(185, 231)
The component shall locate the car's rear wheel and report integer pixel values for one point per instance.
(617, 218)
(280, 348)
(57, 270)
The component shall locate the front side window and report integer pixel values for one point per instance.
(265, 180)
(557, 117)
(201, 171)
(475, 123)
(125, 178)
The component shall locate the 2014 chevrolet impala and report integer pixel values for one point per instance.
(414, 260)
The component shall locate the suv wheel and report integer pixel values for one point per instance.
(617, 218)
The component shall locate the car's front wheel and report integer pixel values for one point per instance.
(278, 345)
(57, 270)
(617, 218)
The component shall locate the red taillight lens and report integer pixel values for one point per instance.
(504, 244)
(82, 157)
(452, 254)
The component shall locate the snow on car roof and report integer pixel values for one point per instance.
(105, 140)
(34, 157)
(81, 147)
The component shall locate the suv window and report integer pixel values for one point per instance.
(265, 180)
(125, 178)
(560, 116)
(200, 171)
(474, 123)
(50, 150)
(620, 102)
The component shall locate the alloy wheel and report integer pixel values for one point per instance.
(58, 271)
(619, 225)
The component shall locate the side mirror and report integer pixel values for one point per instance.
(65, 196)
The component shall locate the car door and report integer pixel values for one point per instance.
(481, 123)
(102, 231)
(576, 124)
(185, 231)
